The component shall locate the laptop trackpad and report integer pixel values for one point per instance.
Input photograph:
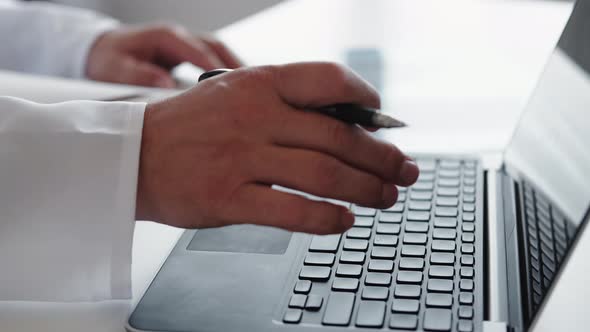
(241, 238)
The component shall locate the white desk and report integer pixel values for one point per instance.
(457, 71)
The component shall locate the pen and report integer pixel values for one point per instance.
(346, 112)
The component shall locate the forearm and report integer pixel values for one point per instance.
(48, 39)
(68, 182)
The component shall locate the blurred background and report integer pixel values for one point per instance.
(196, 15)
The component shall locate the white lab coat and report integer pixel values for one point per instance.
(68, 171)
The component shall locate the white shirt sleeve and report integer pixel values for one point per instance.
(68, 179)
(48, 39)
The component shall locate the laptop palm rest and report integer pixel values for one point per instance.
(241, 239)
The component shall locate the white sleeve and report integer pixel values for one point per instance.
(68, 179)
(48, 39)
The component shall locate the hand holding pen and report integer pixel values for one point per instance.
(347, 112)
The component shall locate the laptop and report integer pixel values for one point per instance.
(469, 247)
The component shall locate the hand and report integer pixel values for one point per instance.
(145, 55)
(210, 155)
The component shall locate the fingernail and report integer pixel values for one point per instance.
(347, 218)
(165, 82)
(388, 195)
(408, 172)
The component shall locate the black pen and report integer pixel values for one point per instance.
(349, 113)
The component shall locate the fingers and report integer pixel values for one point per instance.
(132, 71)
(316, 84)
(262, 205)
(348, 143)
(321, 175)
(229, 59)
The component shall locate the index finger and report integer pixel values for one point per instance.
(314, 84)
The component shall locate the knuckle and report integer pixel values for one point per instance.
(339, 134)
(339, 76)
(327, 173)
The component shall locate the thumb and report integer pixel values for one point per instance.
(137, 72)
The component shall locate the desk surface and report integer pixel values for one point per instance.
(454, 70)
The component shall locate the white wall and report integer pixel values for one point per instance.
(196, 15)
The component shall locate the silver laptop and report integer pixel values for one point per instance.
(467, 242)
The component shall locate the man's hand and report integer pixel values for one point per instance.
(209, 156)
(145, 55)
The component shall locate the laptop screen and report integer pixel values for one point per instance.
(551, 145)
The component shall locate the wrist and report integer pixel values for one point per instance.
(145, 205)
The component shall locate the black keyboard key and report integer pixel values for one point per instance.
(407, 263)
(445, 222)
(363, 221)
(338, 309)
(403, 322)
(420, 205)
(439, 300)
(363, 211)
(356, 244)
(447, 173)
(385, 240)
(436, 271)
(468, 227)
(292, 316)
(349, 270)
(325, 243)
(314, 303)
(319, 258)
(465, 326)
(466, 285)
(352, 257)
(438, 320)
(448, 182)
(375, 293)
(467, 260)
(370, 314)
(416, 227)
(378, 279)
(465, 312)
(405, 306)
(397, 207)
(302, 286)
(467, 237)
(395, 218)
(447, 201)
(467, 248)
(359, 233)
(413, 251)
(319, 273)
(407, 291)
(440, 286)
(442, 258)
(468, 216)
(421, 195)
(446, 212)
(448, 192)
(379, 265)
(418, 216)
(383, 252)
(423, 186)
(391, 229)
(466, 298)
(443, 245)
(415, 238)
(297, 301)
(345, 284)
(409, 277)
(444, 234)
(467, 272)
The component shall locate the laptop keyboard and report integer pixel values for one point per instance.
(414, 266)
(548, 235)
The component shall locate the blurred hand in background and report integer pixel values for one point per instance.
(145, 55)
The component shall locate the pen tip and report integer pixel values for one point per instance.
(385, 121)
